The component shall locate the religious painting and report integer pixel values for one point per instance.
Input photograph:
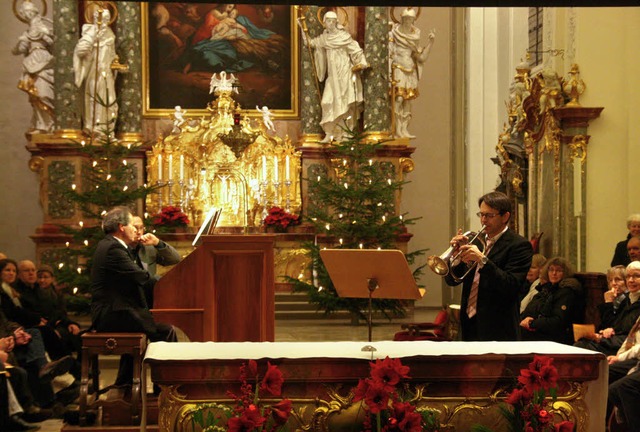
(183, 44)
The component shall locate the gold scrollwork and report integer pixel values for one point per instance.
(578, 147)
(36, 163)
(407, 165)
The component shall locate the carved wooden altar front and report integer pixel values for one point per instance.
(462, 383)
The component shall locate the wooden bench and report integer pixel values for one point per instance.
(95, 344)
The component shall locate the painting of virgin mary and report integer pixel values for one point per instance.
(188, 42)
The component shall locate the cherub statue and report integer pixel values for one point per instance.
(178, 119)
(551, 90)
(266, 117)
(37, 66)
(407, 57)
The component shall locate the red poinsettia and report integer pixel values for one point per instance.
(529, 411)
(170, 217)
(280, 218)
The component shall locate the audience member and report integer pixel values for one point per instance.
(633, 249)
(624, 374)
(11, 412)
(532, 282)
(118, 284)
(616, 319)
(620, 256)
(150, 251)
(550, 314)
(26, 310)
(26, 349)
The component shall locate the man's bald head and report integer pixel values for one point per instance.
(27, 272)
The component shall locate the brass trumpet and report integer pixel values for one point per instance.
(450, 263)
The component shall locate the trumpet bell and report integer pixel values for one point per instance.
(438, 265)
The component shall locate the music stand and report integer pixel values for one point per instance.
(371, 273)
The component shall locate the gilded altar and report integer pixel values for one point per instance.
(463, 384)
(224, 161)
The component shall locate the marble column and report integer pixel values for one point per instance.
(310, 109)
(68, 102)
(129, 84)
(377, 102)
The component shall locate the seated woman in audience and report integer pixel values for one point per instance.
(550, 314)
(532, 282)
(617, 320)
(624, 373)
(620, 255)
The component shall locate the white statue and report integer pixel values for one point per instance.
(178, 119)
(551, 94)
(93, 61)
(266, 117)
(223, 83)
(37, 66)
(406, 56)
(338, 60)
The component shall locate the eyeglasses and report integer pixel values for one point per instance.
(633, 276)
(487, 215)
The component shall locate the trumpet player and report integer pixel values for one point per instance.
(489, 308)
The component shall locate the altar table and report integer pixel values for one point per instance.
(463, 382)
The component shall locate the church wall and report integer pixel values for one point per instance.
(429, 194)
(19, 204)
(610, 66)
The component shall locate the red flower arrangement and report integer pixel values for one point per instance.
(280, 219)
(170, 217)
(250, 413)
(529, 411)
(384, 405)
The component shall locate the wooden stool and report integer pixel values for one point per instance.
(95, 344)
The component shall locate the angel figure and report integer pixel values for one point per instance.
(266, 117)
(178, 119)
(407, 57)
(37, 66)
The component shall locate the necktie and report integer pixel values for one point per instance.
(473, 295)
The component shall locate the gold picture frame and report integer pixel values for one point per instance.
(257, 43)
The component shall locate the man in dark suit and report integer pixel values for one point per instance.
(490, 303)
(118, 284)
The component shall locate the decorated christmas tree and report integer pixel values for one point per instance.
(108, 179)
(354, 207)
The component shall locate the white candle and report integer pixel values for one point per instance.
(170, 167)
(159, 161)
(275, 168)
(181, 167)
(264, 168)
(287, 169)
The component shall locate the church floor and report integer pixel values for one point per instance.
(291, 330)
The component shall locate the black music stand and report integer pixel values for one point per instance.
(371, 273)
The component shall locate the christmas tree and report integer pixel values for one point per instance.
(354, 208)
(107, 180)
